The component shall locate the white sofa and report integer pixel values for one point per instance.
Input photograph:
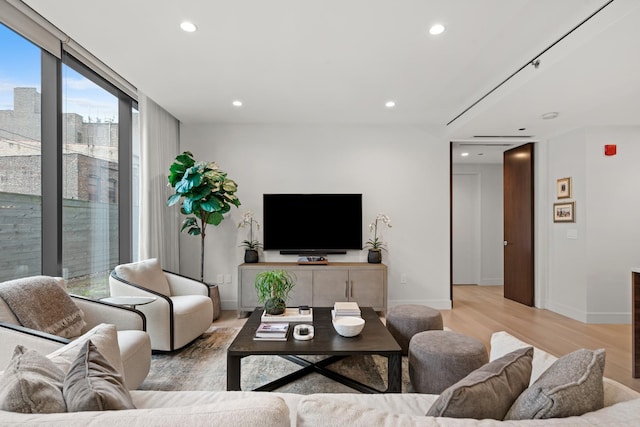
(195, 408)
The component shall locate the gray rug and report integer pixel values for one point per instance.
(203, 366)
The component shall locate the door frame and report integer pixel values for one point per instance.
(536, 289)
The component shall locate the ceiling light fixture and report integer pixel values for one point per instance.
(436, 29)
(189, 27)
(549, 116)
(390, 104)
(237, 103)
(465, 154)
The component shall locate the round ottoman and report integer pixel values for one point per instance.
(404, 321)
(439, 359)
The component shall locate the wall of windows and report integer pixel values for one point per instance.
(63, 130)
(20, 157)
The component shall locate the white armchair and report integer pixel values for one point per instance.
(133, 341)
(182, 310)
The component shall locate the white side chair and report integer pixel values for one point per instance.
(182, 310)
(133, 341)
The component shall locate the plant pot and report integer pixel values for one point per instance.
(275, 306)
(374, 256)
(250, 256)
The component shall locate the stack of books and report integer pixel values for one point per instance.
(272, 331)
(344, 309)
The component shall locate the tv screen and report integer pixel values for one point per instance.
(312, 223)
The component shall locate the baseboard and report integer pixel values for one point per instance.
(609, 318)
(229, 304)
(437, 304)
(495, 281)
(602, 318)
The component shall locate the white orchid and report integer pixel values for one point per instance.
(375, 242)
(247, 219)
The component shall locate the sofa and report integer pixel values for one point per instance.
(195, 408)
(133, 342)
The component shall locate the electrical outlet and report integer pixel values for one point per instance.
(403, 278)
(220, 279)
(227, 278)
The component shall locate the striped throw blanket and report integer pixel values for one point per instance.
(39, 303)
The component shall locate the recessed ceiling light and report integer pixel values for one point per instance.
(465, 154)
(550, 115)
(189, 27)
(237, 103)
(390, 104)
(522, 129)
(436, 29)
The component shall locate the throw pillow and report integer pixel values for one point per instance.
(147, 273)
(103, 336)
(92, 384)
(489, 391)
(31, 384)
(572, 386)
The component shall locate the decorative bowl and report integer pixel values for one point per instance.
(348, 326)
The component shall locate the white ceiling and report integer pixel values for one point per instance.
(338, 62)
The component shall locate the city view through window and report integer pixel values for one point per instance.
(90, 197)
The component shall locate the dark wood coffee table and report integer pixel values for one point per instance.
(374, 339)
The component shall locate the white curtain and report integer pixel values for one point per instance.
(159, 224)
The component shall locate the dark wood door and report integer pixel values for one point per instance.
(518, 224)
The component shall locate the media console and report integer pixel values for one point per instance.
(320, 285)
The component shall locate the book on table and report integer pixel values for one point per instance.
(346, 309)
(272, 331)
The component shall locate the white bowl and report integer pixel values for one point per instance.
(348, 326)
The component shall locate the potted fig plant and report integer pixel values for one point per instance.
(206, 194)
(273, 287)
(252, 245)
(375, 244)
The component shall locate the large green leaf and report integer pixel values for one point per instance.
(215, 218)
(173, 199)
(210, 205)
(229, 186)
(187, 206)
(188, 222)
(186, 159)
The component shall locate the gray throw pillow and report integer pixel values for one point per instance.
(31, 384)
(572, 386)
(92, 384)
(489, 391)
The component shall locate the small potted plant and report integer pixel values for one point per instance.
(273, 287)
(375, 244)
(252, 245)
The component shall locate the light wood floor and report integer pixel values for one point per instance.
(479, 311)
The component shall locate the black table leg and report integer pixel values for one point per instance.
(394, 373)
(233, 372)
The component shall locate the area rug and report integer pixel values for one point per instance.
(203, 366)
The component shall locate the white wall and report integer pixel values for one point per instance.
(490, 219)
(589, 276)
(401, 171)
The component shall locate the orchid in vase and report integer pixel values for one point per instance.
(252, 245)
(375, 243)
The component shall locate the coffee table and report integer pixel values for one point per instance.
(374, 339)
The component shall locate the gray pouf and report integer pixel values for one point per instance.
(404, 321)
(439, 359)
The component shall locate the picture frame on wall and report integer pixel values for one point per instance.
(564, 212)
(563, 188)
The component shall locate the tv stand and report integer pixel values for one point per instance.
(320, 285)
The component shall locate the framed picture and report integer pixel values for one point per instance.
(563, 188)
(564, 212)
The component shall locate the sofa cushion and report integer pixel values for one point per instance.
(147, 273)
(103, 336)
(571, 386)
(92, 384)
(489, 391)
(31, 383)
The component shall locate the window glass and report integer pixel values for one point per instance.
(135, 179)
(20, 157)
(90, 179)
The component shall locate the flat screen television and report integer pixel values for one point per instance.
(308, 224)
